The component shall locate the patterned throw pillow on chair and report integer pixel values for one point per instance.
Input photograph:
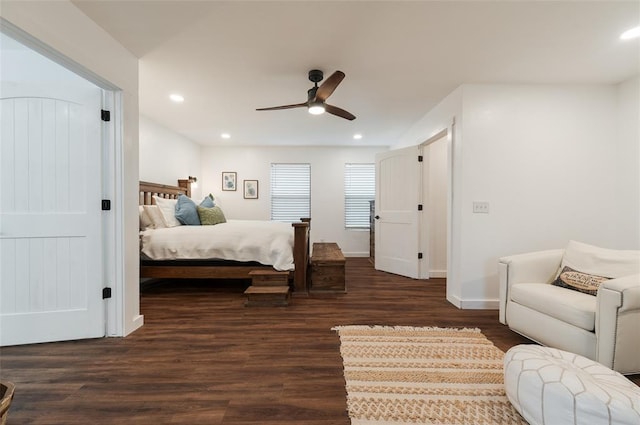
(578, 281)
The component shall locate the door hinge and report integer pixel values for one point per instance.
(419, 207)
(419, 158)
(106, 205)
(419, 256)
(106, 293)
(105, 115)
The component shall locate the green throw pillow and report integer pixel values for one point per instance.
(210, 216)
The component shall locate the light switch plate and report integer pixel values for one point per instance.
(480, 207)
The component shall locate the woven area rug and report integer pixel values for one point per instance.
(406, 375)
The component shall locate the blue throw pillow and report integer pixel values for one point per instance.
(187, 211)
(207, 202)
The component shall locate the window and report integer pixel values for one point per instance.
(359, 189)
(290, 192)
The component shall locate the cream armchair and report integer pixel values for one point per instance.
(604, 328)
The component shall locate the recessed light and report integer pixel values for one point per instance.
(176, 98)
(225, 135)
(631, 33)
(357, 136)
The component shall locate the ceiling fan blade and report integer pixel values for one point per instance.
(275, 108)
(339, 112)
(329, 85)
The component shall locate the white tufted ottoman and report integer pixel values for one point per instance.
(554, 387)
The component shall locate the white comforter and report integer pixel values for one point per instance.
(268, 242)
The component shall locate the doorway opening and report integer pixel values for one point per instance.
(436, 195)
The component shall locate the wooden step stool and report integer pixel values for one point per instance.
(268, 288)
(327, 268)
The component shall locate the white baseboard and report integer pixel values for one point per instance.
(356, 254)
(473, 304)
(480, 304)
(136, 324)
(454, 300)
(438, 273)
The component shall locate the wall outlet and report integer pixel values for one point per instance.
(480, 207)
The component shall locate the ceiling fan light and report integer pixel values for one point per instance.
(316, 108)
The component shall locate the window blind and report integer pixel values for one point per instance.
(290, 192)
(359, 189)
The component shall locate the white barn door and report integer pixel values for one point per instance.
(397, 243)
(50, 217)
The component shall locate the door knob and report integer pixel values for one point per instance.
(377, 217)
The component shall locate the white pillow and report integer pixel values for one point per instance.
(145, 221)
(598, 261)
(155, 216)
(168, 209)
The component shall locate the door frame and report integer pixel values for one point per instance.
(112, 175)
(425, 246)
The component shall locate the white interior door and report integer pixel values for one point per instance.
(50, 217)
(398, 181)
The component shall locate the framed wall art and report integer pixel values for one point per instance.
(229, 180)
(251, 189)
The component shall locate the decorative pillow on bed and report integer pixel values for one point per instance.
(207, 202)
(210, 216)
(216, 202)
(578, 281)
(155, 216)
(168, 209)
(186, 211)
(145, 221)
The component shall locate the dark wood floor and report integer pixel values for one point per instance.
(204, 358)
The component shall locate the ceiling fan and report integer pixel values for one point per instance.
(317, 96)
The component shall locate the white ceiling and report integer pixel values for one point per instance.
(228, 58)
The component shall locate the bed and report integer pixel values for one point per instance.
(169, 266)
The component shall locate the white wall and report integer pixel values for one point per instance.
(627, 147)
(62, 27)
(327, 186)
(166, 156)
(549, 160)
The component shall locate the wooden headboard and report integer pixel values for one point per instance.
(147, 190)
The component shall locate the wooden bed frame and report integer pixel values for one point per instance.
(299, 276)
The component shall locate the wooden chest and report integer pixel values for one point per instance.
(327, 268)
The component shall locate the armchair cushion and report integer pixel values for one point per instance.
(598, 261)
(571, 307)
